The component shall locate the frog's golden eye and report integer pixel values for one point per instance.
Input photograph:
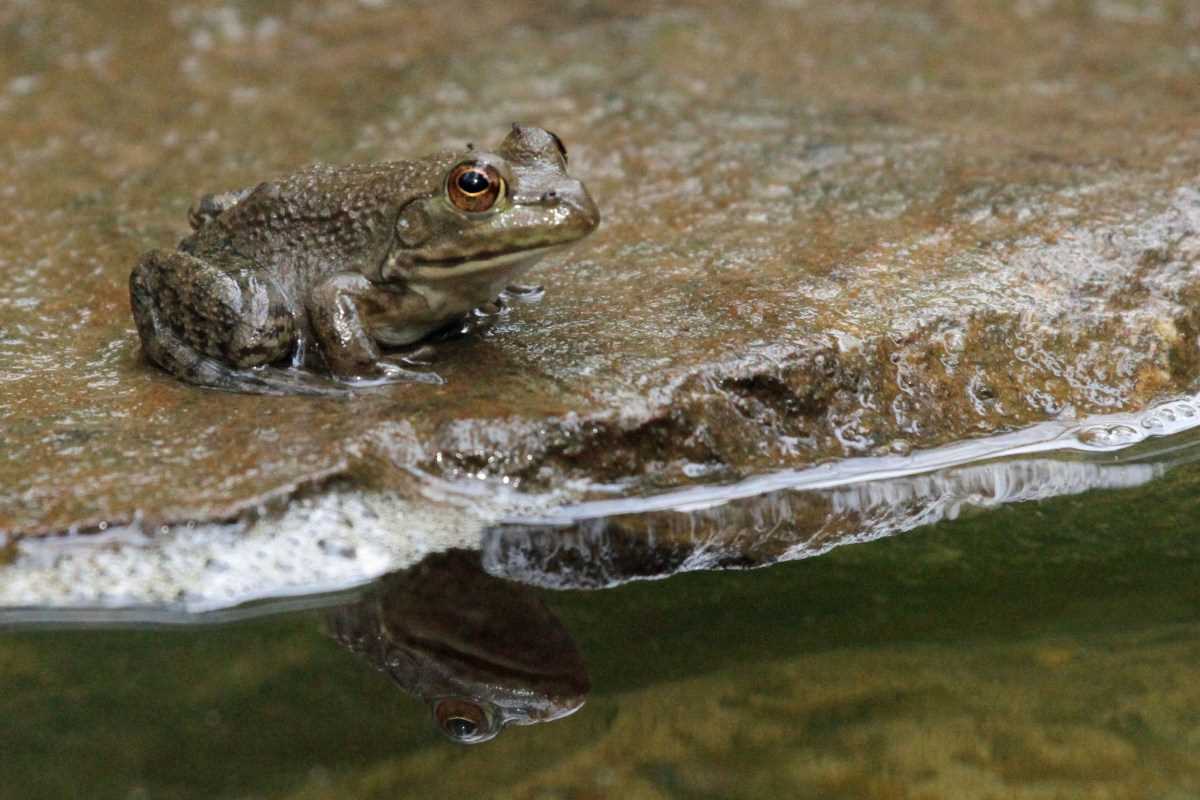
(474, 187)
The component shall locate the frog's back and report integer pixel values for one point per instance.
(319, 219)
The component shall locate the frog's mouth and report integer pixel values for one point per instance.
(442, 269)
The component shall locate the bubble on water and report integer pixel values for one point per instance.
(1119, 435)
(1164, 420)
(1170, 417)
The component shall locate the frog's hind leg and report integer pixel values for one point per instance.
(215, 328)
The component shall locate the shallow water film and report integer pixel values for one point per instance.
(854, 455)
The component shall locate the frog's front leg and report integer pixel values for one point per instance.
(344, 309)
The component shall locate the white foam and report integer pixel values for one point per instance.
(321, 544)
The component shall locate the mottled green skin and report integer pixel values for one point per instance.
(314, 272)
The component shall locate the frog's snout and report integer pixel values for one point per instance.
(582, 215)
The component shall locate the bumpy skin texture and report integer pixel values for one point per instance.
(294, 286)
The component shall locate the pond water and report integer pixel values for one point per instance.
(1047, 649)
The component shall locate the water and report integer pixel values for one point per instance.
(1041, 649)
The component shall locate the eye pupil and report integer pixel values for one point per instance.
(461, 728)
(473, 182)
(474, 188)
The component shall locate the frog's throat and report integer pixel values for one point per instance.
(458, 267)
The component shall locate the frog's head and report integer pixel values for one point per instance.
(492, 211)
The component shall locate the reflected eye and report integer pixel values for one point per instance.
(461, 720)
(474, 187)
(461, 727)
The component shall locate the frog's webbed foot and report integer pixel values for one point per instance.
(339, 310)
(211, 206)
(478, 320)
(483, 317)
(420, 356)
(491, 311)
(388, 370)
(395, 370)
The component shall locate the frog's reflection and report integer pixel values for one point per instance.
(483, 652)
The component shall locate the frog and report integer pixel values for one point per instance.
(314, 282)
(483, 653)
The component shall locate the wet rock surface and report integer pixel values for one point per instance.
(830, 229)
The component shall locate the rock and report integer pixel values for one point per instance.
(830, 230)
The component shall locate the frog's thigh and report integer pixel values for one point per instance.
(339, 308)
(237, 316)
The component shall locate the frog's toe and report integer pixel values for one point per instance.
(421, 356)
(397, 371)
(493, 309)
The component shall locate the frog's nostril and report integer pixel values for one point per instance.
(550, 196)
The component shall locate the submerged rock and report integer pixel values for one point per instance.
(830, 230)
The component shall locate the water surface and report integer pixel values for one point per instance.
(1040, 650)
